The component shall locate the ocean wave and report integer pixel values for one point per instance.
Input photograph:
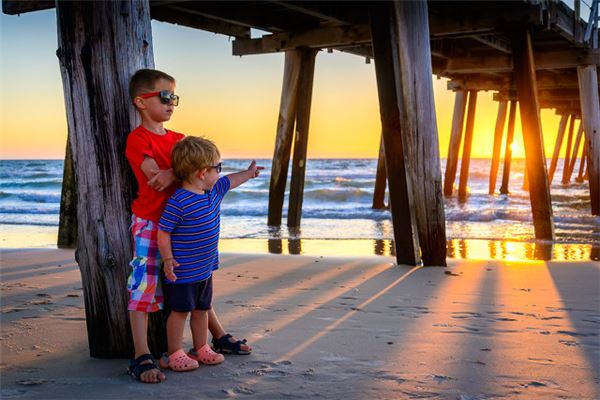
(32, 223)
(31, 197)
(33, 184)
(53, 209)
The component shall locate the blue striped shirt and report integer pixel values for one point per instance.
(193, 221)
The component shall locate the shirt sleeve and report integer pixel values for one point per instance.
(222, 186)
(171, 216)
(138, 147)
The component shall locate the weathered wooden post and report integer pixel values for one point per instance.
(498, 133)
(101, 44)
(466, 152)
(567, 159)
(590, 116)
(510, 134)
(539, 191)
(67, 225)
(285, 134)
(414, 89)
(406, 239)
(562, 126)
(303, 102)
(458, 117)
(380, 180)
(575, 151)
(582, 165)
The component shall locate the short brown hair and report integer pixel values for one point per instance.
(191, 154)
(144, 79)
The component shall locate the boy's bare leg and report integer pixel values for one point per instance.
(199, 325)
(175, 326)
(217, 331)
(139, 331)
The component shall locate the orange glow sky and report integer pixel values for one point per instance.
(233, 100)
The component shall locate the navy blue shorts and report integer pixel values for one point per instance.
(186, 297)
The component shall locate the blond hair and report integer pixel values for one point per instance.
(192, 154)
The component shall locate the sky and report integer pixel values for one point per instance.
(232, 100)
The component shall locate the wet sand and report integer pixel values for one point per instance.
(329, 327)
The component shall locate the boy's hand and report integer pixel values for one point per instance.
(254, 169)
(168, 266)
(162, 179)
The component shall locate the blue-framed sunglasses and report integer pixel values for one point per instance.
(218, 167)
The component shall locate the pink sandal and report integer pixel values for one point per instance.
(206, 355)
(178, 361)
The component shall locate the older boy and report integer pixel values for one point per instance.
(188, 240)
(148, 151)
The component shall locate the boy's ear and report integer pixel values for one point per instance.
(138, 102)
(201, 172)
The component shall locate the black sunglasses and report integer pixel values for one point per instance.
(166, 97)
(218, 167)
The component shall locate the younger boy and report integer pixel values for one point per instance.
(188, 239)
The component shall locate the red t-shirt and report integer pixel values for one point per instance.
(142, 143)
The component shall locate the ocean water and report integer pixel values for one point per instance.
(337, 203)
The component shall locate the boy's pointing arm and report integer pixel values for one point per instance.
(237, 178)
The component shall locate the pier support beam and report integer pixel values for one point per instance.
(285, 134)
(67, 224)
(414, 89)
(510, 134)
(576, 147)
(590, 116)
(303, 102)
(567, 159)
(562, 126)
(466, 152)
(458, 117)
(539, 191)
(380, 180)
(100, 46)
(385, 44)
(498, 133)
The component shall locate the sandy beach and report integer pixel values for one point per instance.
(329, 327)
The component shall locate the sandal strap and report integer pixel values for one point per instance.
(141, 368)
(143, 358)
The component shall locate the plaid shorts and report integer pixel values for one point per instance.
(144, 282)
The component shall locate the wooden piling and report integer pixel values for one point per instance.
(100, 46)
(406, 240)
(567, 159)
(539, 191)
(579, 178)
(380, 180)
(460, 105)
(67, 223)
(466, 151)
(285, 134)
(418, 124)
(590, 116)
(498, 133)
(303, 102)
(575, 151)
(510, 134)
(562, 126)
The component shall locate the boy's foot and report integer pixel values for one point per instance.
(178, 361)
(227, 344)
(145, 370)
(206, 355)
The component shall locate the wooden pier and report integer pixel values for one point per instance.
(535, 53)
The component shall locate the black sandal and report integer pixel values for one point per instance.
(223, 345)
(136, 368)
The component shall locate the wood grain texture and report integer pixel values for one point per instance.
(101, 44)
